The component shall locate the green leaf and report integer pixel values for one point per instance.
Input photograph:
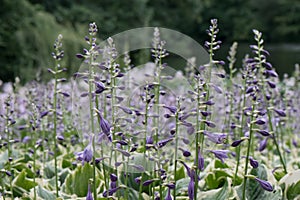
(182, 185)
(253, 189)
(216, 178)
(23, 182)
(220, 194)
(77, 182)
(180, 173)
(45, 194)
(291, 183)
(293, 191)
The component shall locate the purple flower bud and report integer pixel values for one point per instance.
(172, 109)
(210, 124)
(237, 142)
(79, 55)
(169, 197)
(281, 113)
(295, 143)
(162, 143)
(171, 185)
(105, 126)
(253, 163)
(209, 103)
(271, 84)
(200, 160)
(263, 132)
(8, 173)
(191, 189)
(205, 113)
(148, 182)
(89, 195)
(60, 138)
(126, 110)
(263, 144)
(137, 180)
(268, 65)
(265, 184)
(113, 177)
(44, 113)
(249, 89)
(271, 73)
(260, 122)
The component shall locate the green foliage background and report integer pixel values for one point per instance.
(29, 27)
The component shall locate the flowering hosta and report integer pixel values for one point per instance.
(115, 132)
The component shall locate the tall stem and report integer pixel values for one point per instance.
(248, 152)
(55, 126)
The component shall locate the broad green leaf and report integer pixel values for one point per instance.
(23, 182)
(222, 193)
(216, 179)
(253, 189)
(293, 191)
(182, 185)
(180, 173)
(291, 184)
(77, 182)
(45, 194)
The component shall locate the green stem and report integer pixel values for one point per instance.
(176, 147)
(55, 127)
(248, 152)
(91, 89)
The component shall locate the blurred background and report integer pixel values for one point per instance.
(29, 28)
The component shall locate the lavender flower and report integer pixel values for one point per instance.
(220, 154)
(191, 188)
(217, 138)
(200, 160)
(89, 195)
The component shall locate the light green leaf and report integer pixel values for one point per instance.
(23, 182)
(77, 182)
(45, 194)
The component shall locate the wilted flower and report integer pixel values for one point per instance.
(265, 184)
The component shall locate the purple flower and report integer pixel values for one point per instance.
(253, 163)
(191, 189)
(105, 126)
(281, 113)
(263, 144)
(237, 142)
(86, 155)
(148, 182)
(265, 184)
(217, 138)
(220, 154)
(260, 122)
(263, 132)
(200, 160)
(172, 109)
(209, 124)
(113, 177)
(169, 197)
(271, 84)
(89, 195)
(162, 143)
